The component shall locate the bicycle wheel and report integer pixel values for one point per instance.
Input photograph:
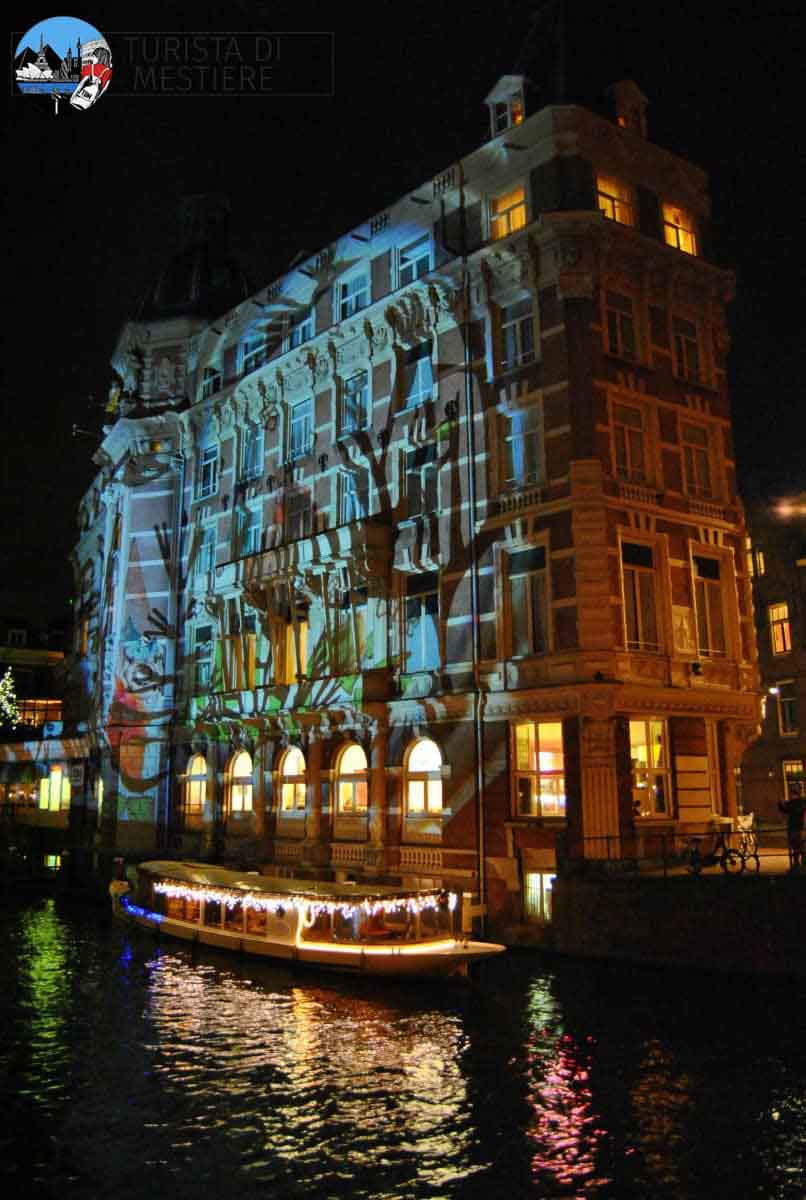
(732, 862)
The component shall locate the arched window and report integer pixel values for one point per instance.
(352, 782)
(292, 780)
(423, 786)
(240, 783)
(195, 786)
(54, 790)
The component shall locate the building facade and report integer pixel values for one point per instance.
(427, 558)
(774, 768)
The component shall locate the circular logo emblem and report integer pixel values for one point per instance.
(66, 61)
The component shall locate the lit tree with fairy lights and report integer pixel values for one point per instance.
(9, 709)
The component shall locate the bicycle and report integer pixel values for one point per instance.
(748, 839)
(730, 860)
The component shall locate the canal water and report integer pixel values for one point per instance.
(138, 1070)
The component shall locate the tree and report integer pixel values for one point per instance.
(9, 709)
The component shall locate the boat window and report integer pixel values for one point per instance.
(212, 912)
(256, 922)
(436, 921)
(240, 783)
(352, 784)
(233, 918)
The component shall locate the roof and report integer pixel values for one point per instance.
(247, 881)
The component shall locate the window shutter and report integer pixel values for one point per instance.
(323, 307)
(545, 182)
(578, 190)
(648, 213)
(381, 274)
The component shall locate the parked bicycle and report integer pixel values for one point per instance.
(747, 839)
(721, 854)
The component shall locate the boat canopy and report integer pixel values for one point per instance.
(204, 874)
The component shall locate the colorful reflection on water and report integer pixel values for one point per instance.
(131, 1068)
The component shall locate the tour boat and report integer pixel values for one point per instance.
(339, 926)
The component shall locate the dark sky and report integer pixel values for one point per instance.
(92, 199)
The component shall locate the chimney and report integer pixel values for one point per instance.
(630, 105)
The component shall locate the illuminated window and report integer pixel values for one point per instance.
(205, 559)
(99, 797)
(352, 295)
(353, 495)
(414, 261)
(649, 754)
(507, 113)
(252, 452)
(539, 768)
(708, 601)
(422, 622)
(202, 657)
(696, 459)
(195, 787)
(422, 479)
(297, 515)
(615, 199)
(253, 353)
(517, 334)
(294, 652)
(239, 783)
(640, 614)
(211, 382)
(352, 780)
(527, 602)
(417, 377)
(54, 790)
(354, 410)
(628, 443)
(780, 633)
(292, 780)
(300, 439)
(756, 566)
(507, 213)
(522, 448)
(423, 779)
(537, 887)
(686, 349)
(300, 328)
(619, 325)
(787, 708)
(207, 474)
(250, 528)
(678, 229)
(794, 771)
(53, 862)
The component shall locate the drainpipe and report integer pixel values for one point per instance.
(177, 460)
(478, 730)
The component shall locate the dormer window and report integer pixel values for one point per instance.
(678, 229)
(614, 199)
(505, 103)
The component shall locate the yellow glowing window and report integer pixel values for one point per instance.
(615, 200)
(507, 213)
(678, 229)
(540, 769)
(352, 782)
(780, 632)
(650, 768)
(196, 785)
(537, 887)
(240, 783)
(53, 861)
(292, 786)
(294, 664)
(54, 790)
(424, 779)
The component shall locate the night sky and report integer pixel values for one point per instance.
(92, 199)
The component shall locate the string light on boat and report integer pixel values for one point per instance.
(312, 908)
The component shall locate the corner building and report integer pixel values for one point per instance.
(427, 560)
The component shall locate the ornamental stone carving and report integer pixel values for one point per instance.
(598, 741)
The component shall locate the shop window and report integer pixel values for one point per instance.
(615, 199)
(352, 295)
(422, 623)
(354, 411)
(417, 379)
(300, 434)
(686, 349)
(649, 754)
(207, 472)
(640, 612)
(292, 781)
(629, 448)
(252, 453)
(195, 787)
(619, 321)
(239, 784)
(528, 609)
(522, 448)
(780, 632)
(708, 602)
(696, 459)
(539, 769)
(414, 261)
(211, 383)
(423, 779)
(678, 229)
(788, 724)
(300, 328)
(537, 887)
(353, 495)
(422, 479)
(507, 213)
(54, 790)
(517, 334)
(352, 780)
